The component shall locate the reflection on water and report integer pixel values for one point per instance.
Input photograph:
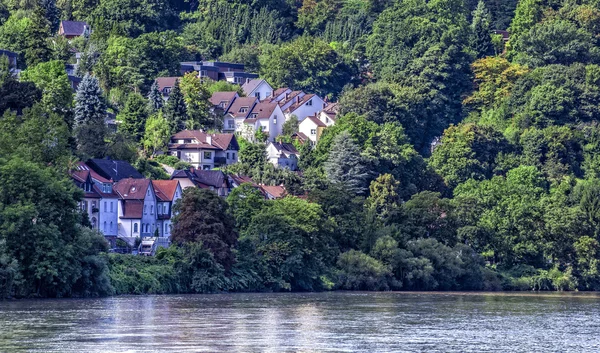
(314, 322)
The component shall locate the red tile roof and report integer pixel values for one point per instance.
(251, 85)
(132, 208)
(299, 103)
(275, 191)
(315, 121)
(166, 82)
(132, 189)
(219, 141)
(219, 97)
(165, 189)
(263, 110)
(239, 103)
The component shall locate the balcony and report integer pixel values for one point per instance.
(220, 161)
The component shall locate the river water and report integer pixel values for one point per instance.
(314, 322)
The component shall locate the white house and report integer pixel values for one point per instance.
(167, 193)
(312, 128)
(204, 151)
(239, 111)
(303, 106)
(266, 116)
(137, 208)
(329, 114)
(258, 88)
(283, 155)
(222, 101)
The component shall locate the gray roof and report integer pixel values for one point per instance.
(113, 169)
(73, 28)
(214, 178)
(8, 53)
(251, 85)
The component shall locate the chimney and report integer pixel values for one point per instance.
(298, 99)
(209, 139)
(287, 95)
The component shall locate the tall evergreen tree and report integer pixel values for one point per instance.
(52, 14)
(36, 44)
(133, 116)
(345, 164)
(155, 99)
(90, 115)
(481, 31)
(175, 110)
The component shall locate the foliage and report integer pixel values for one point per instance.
(345, 165)
(90, 116)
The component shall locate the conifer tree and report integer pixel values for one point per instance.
(345, 164)
(90, 116)
(133, 116)
(155, 99)
(481, 31)
(175, 110)
(36, 44)
(52, 14)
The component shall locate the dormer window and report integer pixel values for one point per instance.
(132, 189)
(243, 109)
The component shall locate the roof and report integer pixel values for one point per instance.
(292, 95)
(8, 53)
(113, 169)
(218, 141)
(132, 189)
(238, 103)
(132, 208)
(165, 189)
(241, 179)
(164, 82)
(279, 91)
(263, 110)
(275, 191)
(73, 28)
(316, 121)
(299, 103)
(202, 178)
(84, 167)
(287, 148)
(219, 97)
(300, 136)
(331, 110)
(251, 85)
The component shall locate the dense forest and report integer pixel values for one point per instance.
(460, 160)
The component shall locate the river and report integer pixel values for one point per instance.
(313, 322)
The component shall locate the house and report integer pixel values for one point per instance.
(113, 169)
(239, 111)
(312, 128)
(218, 70)
(204, 151)
(222, 101)
(300, 137)
(237, 180)
(100, 200)
(167, 193)
(12, 58)
(329, 114)
(283, 155)
(304, 105)
(266, 116)
(205, 179)
(137, 208)
(273, 192)
(165, 85)
(505, 34)
(72, 29)
(258, 88)
(74, 82)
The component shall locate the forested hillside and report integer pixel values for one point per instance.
(461, 160)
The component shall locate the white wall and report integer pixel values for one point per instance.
(109, 213)
(149, 212)
(306, 126)
(307, 110)
(264, 90)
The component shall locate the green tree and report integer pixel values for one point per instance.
(155, 99)
(290, 126)
(253, 154)
(157, 134)
(481, 32)
(133, 116)
(384, 200)
(345, 165)
(90, 116)
(203, 217)
(175, 109)
(307, 64)
(199, 109)
(51, 78)
(245, 202)
(15, 95)
(36, 42)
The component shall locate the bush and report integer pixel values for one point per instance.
(359, 271)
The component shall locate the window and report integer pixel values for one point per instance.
(166, 228)
(203, 73)
(135, 228)
(275, 120)
(327, 120)
(111, 226)
(207, 155)
(104, 229)
(231, 124)
(227, 155)
(111, 206)
(233, 156)
(206, 167)
(313, 131)
(105, 206)
(93, 222)
(309, 103)
(243, 109)
(257, 95)
(152, 209)
(145, 209)
(152, 227)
